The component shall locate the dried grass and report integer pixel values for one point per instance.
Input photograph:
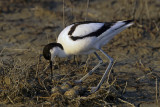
(27, 80)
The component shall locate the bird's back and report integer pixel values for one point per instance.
(82, 36)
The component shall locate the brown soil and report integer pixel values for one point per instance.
(27, 25)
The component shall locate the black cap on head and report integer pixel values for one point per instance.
(46, 50)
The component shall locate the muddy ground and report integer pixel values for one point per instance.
(27, 25)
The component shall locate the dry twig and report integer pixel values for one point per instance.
(10, 99)
(87, 10)
(63, 15)
(126, 102)
(124, 88)
(156, 92)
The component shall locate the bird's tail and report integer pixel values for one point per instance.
(116, 28)
(121, 25)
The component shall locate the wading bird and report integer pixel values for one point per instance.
(85, 38)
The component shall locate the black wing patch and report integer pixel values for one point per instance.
(126, 22)
(96, 33)
(79, 23)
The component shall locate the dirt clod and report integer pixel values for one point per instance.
(72, 93)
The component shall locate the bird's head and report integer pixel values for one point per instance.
(50, 51)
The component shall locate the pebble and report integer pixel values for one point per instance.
(72, 93)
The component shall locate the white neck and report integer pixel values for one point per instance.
(61, 53)
(57, 51)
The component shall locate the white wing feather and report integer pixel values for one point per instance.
(85, 29)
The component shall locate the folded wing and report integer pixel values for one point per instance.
(85, 29)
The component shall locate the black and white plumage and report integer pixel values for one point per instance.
(85, 38)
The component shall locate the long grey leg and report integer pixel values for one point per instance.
(105, 73)
(90, 73)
